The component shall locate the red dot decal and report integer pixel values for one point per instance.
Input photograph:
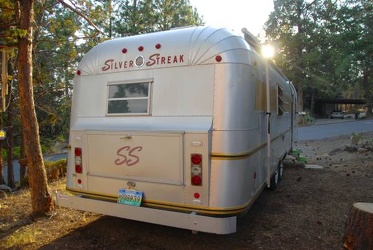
(218, 58)
(78, 72)
(124, 50)
(141, 48)
(158, 46)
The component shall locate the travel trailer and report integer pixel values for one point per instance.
(182, 128)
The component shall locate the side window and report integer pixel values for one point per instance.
(281, 103)
(129, 98)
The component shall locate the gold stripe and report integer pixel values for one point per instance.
(175, 206)
(244, 155)
(238, 156)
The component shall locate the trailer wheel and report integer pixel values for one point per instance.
(280, 170)
(274, 181)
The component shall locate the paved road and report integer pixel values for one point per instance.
(328, 128)
(53, 157)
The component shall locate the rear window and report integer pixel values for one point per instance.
(128, 98)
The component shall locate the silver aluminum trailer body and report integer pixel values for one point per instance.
(179, 118)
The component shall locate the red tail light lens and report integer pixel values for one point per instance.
(196, 180)
(196, 159)
(78, 169)
(78, 152)
(78, 161)
(196, 169)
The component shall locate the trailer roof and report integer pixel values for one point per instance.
(177, 47)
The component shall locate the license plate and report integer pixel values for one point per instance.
(130, 197)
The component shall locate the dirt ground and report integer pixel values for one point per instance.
(307, 211)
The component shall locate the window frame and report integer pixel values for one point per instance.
(281, 101)
(148, 97)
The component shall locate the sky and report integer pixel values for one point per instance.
(235, 14)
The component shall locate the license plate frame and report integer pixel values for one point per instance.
(130, 197)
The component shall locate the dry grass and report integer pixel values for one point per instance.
(19, 231)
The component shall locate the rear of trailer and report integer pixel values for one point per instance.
(172, 128)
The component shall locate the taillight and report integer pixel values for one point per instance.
(196, 159)
(196, 169)
(78, 161)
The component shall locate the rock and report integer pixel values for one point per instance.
(5, 187)
(362, 150)
(350, 148)
(355, 138)
(366, 143)
(310, 166)
(335, 151)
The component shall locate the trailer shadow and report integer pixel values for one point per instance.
(115, 233)
(306, 211)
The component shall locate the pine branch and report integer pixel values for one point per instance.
(80, 14)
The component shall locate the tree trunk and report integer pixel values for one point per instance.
(313, 102)
(359, 227)
(9, 123)
(11, 182)
(299, 97)
(41, 199)
(22, 163)
(2, 179)
(367, 94)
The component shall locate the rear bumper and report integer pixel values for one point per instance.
(192, 221)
